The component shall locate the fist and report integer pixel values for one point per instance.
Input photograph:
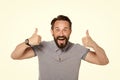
(87, 40)
(35, 39)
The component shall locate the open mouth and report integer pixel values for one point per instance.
(61, 38)
(61, 41)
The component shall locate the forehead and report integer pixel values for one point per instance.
(61, 23)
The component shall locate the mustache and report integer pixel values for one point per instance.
(61, 38)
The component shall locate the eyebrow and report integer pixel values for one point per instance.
(64, 27)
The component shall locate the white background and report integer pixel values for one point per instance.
(19, 18)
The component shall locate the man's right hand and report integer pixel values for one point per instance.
(35, 39)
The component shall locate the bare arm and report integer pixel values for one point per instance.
(97, 56)
(23, 51)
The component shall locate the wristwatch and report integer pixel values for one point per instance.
(27, 42)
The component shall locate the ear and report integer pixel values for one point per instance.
(70, 31)
(52, 32)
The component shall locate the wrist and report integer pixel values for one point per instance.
(27, 42)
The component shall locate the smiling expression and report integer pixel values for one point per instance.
(61, 33)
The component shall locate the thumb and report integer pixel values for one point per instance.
(36, 31)
(87, 33)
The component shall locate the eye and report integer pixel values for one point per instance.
(57, 29)
(66, 29)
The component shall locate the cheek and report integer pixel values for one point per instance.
(67, 35)
(54, 35)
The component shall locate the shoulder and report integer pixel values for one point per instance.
(44, 44)
(77, 45)
(80, 48)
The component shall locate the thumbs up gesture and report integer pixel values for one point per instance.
(87, 40)
(35, 39)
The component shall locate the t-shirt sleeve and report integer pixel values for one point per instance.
(83, 51)
(37, 49)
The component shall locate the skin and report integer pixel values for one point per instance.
(61, 28)
(97, 56)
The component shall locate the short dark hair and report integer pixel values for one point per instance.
(61, 17)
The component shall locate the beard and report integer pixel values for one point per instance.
(61, 41)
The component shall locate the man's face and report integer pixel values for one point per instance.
(61, 32)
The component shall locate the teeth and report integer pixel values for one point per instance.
(61, 38)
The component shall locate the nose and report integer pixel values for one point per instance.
(61, 33)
